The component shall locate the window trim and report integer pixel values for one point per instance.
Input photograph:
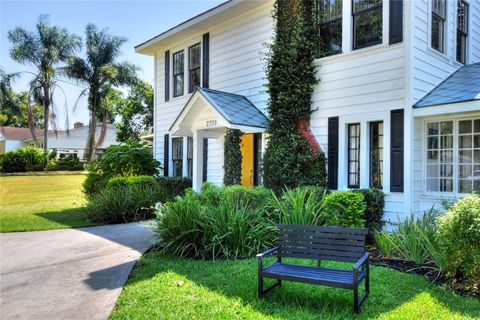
(456, 120)
(199, 67)
(444, 31)
(349, 185)
(381, 150)
(464, 33)
(353, 13)
(174, 78)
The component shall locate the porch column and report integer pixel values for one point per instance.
(197, 160)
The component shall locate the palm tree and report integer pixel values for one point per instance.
(6, 92)
(100, 71)
(44, 49)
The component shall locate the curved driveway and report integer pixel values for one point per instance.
(70, 273)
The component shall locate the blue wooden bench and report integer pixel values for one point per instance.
(318, 243)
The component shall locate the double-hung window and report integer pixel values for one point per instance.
(367, 23)
(453, 156)
(462, 31)
(193, 67)
(330, 27)
(438, 25)
(190, 157)
(178, 73)
(177, 156)
(376, 154)
(354, 155)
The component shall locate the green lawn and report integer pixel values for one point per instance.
(162, 287)
(41, 202)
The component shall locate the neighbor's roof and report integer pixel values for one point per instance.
(13, 133)
(236, 109)
(461, 86)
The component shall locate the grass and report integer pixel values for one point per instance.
(162, 287)
(41, 202)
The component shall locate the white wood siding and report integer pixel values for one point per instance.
(236, 66)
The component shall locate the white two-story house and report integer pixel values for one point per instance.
(397, 107)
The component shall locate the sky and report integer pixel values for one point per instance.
(138, 21)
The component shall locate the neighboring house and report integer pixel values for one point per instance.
(12, 138)
(397, 107)
(69, 143)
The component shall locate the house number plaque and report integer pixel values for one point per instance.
(211, 123)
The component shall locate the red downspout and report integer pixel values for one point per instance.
(305, 131)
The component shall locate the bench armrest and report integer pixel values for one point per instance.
(267, 253)
(361, 261)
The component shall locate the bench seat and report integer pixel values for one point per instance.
(309, 274)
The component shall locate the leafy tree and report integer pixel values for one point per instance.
(15, 113)
(136, 113)
(290, 160)
(44, 49)
(100, 71)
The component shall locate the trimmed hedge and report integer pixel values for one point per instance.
(24, 159)
(132, 181)
(344, 208)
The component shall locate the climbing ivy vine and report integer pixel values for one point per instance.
(290, 160)
(233, 157)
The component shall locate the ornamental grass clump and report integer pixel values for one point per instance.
(217, 223)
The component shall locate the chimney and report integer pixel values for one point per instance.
(78, 125)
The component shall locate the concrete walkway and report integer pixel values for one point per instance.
(68, 274)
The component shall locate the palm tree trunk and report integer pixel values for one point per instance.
(92, 128)
(46, 118)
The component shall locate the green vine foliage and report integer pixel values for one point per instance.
(290, 160)
(233, 157)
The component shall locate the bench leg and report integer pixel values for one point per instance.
(319, 263)
(260, 287)
(356, 306)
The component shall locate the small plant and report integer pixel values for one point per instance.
(344, 209)
(70, 162)
(374, 204)
(174, 186)
(459, 236)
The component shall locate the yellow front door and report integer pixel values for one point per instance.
(247, 160)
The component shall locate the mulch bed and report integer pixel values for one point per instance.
(428, 271)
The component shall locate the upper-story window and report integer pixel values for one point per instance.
(178, 73)
(367, 23)
(331, 27)
(462, 29)
(193, 67)
(438, 25)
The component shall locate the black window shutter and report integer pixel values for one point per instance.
(205, 159)
(165, 154)
(396, 150)
(167, 75)
(206, 60)
(396, 21)
(333, 153)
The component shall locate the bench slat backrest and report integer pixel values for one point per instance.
(321, 243)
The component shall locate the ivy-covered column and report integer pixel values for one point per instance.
(290, 159)
(233, 157)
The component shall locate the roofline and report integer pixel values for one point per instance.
(415, 106)
(185, 24)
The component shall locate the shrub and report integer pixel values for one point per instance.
(216, 223)
(344, 209)
(174, 186)
(70, 162)
(374, 204)
(129, 159)
(459, 236)
(24, 159)
(232, 166)
(300, 206)
(146, 181)
(123, 203)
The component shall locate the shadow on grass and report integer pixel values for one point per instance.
(73, 217)
(392, 292)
